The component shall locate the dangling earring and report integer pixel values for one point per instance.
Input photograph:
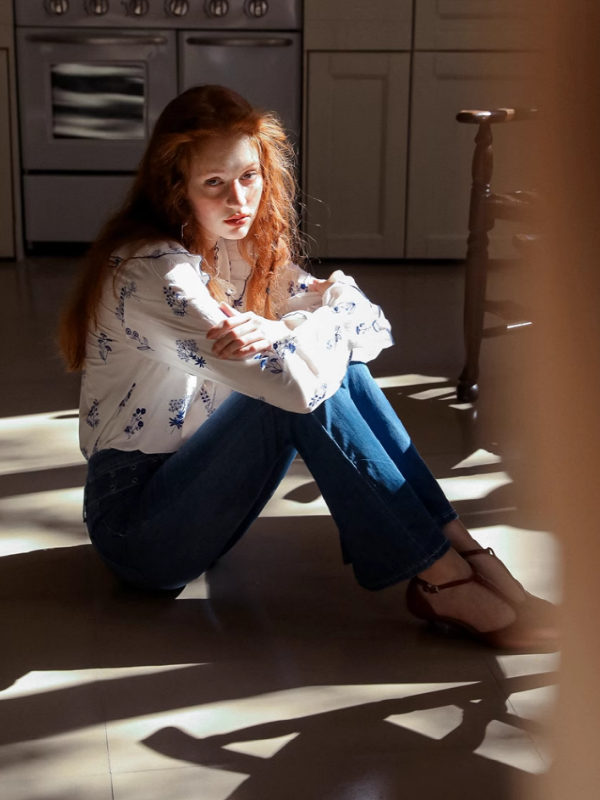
(216, 258)
(182, 227)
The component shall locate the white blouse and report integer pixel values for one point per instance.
(150, 379)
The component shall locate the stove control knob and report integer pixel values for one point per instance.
(57, 7)
(177, 8)
(256, 8)
(136, 8)
(96, 7)
(217, 8)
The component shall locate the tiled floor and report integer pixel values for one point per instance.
(274, 677)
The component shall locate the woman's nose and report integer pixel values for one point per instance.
(237, 194)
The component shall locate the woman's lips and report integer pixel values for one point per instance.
(238, 220)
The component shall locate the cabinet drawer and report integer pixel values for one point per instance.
(473, 25)
(357, 25)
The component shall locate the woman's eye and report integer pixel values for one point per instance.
(212, 182)
(249, 175)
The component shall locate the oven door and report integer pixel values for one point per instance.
(264, 67)
(89, 97)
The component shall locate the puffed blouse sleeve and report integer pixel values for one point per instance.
(343, 309)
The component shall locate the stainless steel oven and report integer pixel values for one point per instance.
(263, 66)
(93, 75)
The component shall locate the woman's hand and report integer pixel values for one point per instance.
(321, 286)
(243, 335)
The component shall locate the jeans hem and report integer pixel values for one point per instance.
(409, 573)
(450, 516)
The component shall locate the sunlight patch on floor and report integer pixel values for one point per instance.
(39, 441)
(40, 682)
(411, 379)
(436, 723)
(510, 746)
(135, 744)
(39, 520)
(261, 748)
(432, 394)
(532, 556)
(473, 487)
(480, 458)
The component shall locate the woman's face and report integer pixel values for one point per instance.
(225, 186)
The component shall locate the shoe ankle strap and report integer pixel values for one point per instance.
(433, 588)
(475, 577)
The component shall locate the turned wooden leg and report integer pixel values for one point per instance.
(480, 222)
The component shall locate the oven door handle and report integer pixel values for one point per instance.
(246, 41)
(78, 38)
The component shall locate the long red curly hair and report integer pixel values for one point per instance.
(157, 207)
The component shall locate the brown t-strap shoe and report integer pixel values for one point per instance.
(518, 636)
(532, 610)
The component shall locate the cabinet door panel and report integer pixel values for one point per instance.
(6, 199)
(357, 137)
(441, 149)
(357, 25)
(473, 25)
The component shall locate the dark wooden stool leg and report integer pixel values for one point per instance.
(480, 222)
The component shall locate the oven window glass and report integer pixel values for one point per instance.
(98, 101)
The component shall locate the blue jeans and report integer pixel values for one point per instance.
(160, 520)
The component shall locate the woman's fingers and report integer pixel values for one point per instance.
(230, 324)
(243, 335)
(241, 349)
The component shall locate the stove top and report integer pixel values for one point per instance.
(166, 14)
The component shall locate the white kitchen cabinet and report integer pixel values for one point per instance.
(358, 24)
(441, 149)
(473, 25)
(6, 193)
(356, 153)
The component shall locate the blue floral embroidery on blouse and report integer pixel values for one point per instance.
(337, 336)
(379, 327)
(285, 346)
(176, 301)
(318, 396)
(136, 423)
(298, 287)
(272, 364)
(178, 408)
(125, 400)
(104, 347)
(206, 398)
(346, 308)
(93, 418)
(127, 290)
(187, 350)
(143, 341)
